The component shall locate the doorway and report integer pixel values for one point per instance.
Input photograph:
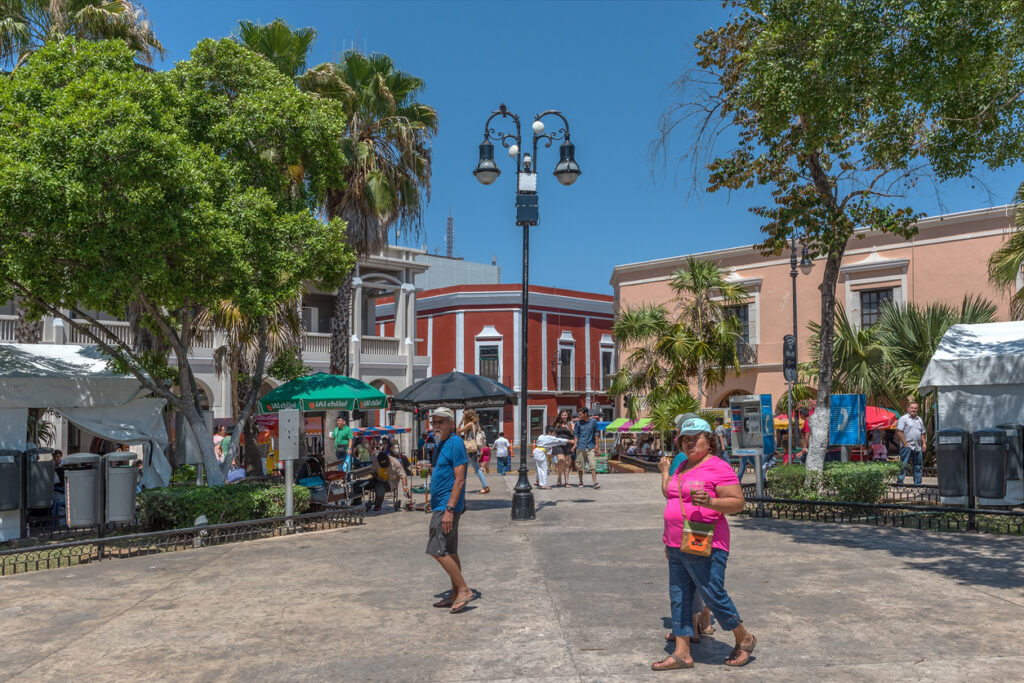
(538, 420)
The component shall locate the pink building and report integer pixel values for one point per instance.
(946, 260)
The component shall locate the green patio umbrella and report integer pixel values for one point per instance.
(323, 392)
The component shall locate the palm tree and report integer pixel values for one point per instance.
(859, 365)
(26, 25)
(387, 182)
(1004, 266)
(909, 335)
(666, 354)
(704, 297)
(237, 355)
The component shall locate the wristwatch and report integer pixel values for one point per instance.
(449, 508)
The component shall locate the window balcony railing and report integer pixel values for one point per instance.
(7, 323)
(119, 328)
(747, 353)
(316, 342)
(380, 346)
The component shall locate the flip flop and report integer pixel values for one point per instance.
(447, 602)
(459, 606)
(679, 664)
(749, 649)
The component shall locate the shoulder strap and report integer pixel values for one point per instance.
(679, 483)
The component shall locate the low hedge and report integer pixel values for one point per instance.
(177, 507)
(855, 482)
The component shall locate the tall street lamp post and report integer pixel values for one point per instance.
(527, 214)
(805, 265)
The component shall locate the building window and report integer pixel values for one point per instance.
(487, 362)
(565, 368)
(606, 370)
(744, 349)
(871, 304)
(310, 319)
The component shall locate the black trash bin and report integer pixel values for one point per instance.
(10, 480)
(991, 453)
(82, 489)
(121, 484)
(40, 478)
(952, 452)
(1015, 464)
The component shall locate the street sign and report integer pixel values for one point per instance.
(846, 420)
(789, 358)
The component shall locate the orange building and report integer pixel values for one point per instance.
(945, 260)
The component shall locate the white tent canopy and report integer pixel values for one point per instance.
(978, 371)
(74, 381)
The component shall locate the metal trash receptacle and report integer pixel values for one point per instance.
(952, 448)
(1015, 466)
(121, 485)
(40, 478)
(991, 454)
(10, 480)
(82, 489)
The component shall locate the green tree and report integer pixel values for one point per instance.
(859, 365)
(167, 191)
(27, 25)
(386, 182)
(697, 344)
(1004, 266)
(839, 106)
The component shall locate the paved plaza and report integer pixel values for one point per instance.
(579, 594)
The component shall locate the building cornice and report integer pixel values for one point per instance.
(666, 265)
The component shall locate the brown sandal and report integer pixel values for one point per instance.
(678, 664)
(740, 649)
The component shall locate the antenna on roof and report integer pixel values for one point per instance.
(449, 238)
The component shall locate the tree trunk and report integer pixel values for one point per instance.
(214, 476)
(26, 331)
(818, 441)
(700, 384)
(341, 328)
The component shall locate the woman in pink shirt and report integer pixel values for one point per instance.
(705, 490)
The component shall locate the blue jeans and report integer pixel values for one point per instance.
(906, 456)
(475, 462)
(504, 465)
(688, 574)
(744, 459)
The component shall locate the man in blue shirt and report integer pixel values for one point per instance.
(448, 500)
(586, 446)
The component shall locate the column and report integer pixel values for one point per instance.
(355, 344)
(544, 352)
(401, 322)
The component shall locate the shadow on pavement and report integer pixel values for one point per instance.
(967, 558)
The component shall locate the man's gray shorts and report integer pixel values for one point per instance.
(439, 543)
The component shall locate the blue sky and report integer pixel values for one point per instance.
(608, 66)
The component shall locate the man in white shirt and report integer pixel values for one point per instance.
(913, 440)
(545, 442)
(502, 451)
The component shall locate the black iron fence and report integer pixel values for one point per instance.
(71, 553)
(933, 517)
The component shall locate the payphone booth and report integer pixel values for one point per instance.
(753, 431)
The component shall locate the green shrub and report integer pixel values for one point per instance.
(183, 474)
(177, 507)
(855, 482)
(859, 482)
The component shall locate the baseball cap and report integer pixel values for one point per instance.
(442, 412)
(694, 425)
(683, 417)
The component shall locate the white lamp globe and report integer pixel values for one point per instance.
(538, 127)
(513, 151)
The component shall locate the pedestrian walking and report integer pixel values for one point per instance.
(696, 536)
(545, 443)
(472, 436)
(722, 436)
(585, 434)
(448, 491)
(913, 440)
(502, 452)
(563, 430)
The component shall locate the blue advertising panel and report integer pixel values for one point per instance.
(846, 420)
(767, 424)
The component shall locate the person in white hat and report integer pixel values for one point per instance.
(448, 501)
